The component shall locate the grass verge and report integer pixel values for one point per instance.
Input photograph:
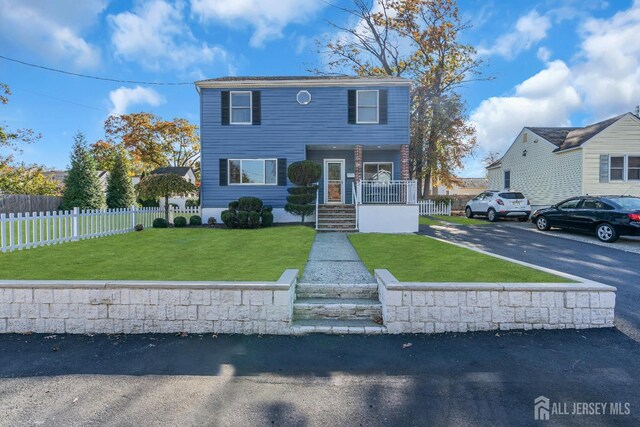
(167, 254)
(413, 258)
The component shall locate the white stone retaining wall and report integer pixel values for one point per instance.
(462, 307)
(147, 307)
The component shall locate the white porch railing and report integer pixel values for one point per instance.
(355, 199)
(25, 231)
(432, 207)
(317, 203)
(404, 192)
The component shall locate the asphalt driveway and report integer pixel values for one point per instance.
(581, 258)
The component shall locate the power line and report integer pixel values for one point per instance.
(95, 77)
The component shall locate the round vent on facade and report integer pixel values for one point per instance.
(303, 97)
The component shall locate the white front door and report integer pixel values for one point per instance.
(334, 181)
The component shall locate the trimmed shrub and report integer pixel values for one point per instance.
(300, 200)
(230, 218)
(249, 204)
(139, 227)
(253, 220)
(247, 212)
(266, 217)
(195, 220)
(180, 221)
(212, 221)
(243, 219)
(160, 223)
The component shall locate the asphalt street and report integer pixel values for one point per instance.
(483, 378)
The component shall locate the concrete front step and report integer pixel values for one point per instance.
(344, 291)
(337, 308)
(337, 327)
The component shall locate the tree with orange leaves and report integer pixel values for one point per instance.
(420, 40)
(153, 142)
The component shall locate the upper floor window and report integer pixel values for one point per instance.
(253, 171)
(240, 105)
(367, 106)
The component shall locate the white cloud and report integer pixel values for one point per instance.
(267, 17)
(155, 35)
(608, 73)
(529, 29)
(52, 29)
(544, 54)
(546, 99)
(124, 97)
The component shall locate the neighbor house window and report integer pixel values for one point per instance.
(253, 171)
(367, 106)
(507, 179)
(633, 168)
(240, 108)
(616, 168)
(378, 171)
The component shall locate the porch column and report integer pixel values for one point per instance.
(358, 163)
(404, 162)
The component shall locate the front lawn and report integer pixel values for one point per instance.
(413, 258)
(460, 220)
(168, 254)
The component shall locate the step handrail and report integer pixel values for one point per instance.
(317, 201)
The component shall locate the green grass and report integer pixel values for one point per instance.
(413, 258)
(168, 254)
(460, 220)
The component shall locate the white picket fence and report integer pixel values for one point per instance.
(432, 207)
(25, 231)
(186, 212)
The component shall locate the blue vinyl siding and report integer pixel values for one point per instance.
(286, 129)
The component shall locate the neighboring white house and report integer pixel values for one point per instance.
(186, 173)
(549, 165)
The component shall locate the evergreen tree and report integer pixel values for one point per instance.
(119, 186)
(82, 186)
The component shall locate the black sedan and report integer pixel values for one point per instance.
(609, 217)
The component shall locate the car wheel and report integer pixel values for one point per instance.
(491, 215)
(606, 233)
(542, 224)
(468, 212)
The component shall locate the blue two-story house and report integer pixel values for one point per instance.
(252, 128)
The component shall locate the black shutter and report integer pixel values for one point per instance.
(382, 108)
(224, 110)
(282, 172)
(256, 113)
(224, 172)
(352, 107)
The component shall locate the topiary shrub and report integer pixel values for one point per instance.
(139, 227)
(160, 223)
(230, 218)
(195, 220)
(249, 204)
(180, 221)
(247, 212)
(266, 218)
(300, 200)
(212, 221)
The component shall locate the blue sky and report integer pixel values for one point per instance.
(553, 62)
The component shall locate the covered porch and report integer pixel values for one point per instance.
(365, 188)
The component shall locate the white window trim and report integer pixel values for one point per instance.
(358, 121)
(378, 163)
(250, 107)
(625, 168)
(264, 172)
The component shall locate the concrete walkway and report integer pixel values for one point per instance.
(334, 261)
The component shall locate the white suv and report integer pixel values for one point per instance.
(499, 204)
